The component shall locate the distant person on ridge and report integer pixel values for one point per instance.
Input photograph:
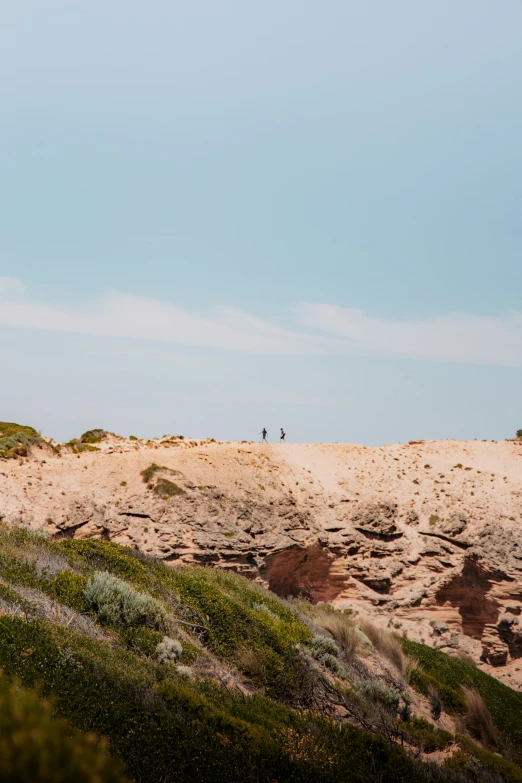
(264, 433)
(282, 436)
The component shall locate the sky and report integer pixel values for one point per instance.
(219, 217)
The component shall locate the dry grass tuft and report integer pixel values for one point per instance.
(477, 719)
(343, 631)
(390, 647)
(409, 665)
(250, 663)
(466, 657)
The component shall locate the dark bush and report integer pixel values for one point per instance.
(37, 748)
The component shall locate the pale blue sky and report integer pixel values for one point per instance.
(223, 216)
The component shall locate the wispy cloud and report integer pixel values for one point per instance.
(319, 328)
(451, 337)
(124, 315)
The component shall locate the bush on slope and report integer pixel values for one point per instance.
(35, 746)
(449, 675)
(15, 439)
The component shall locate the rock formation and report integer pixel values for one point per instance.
(424, 536)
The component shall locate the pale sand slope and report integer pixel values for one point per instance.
(397, 531)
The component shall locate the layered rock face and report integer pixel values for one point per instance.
(425, 536)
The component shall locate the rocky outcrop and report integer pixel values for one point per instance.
(469, 591)
(377, 521)
(400, 532)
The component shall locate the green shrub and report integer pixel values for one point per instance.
(168, 650)
(116, 603)
(34, 746)
(16, 439)
(449, 675)
(142, 640)
(265, 609)
(69, 589)
(7, 429)
(224, 601)
(149, 472)
(332, 663)
(376, 690)
(430, 737)
(168, 489)
(476, 763)
(93, 436)
(107, 555)
(78, 446)
(174, 729)
(323, 645)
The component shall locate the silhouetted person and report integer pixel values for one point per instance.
(264, 433)
(282, 436)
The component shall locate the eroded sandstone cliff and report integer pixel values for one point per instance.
(424, 536)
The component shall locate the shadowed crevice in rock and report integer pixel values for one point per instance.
(70, 532)
(378, 583)
(453, 541)
(468, 591)
(377, 521)
(378, 536)
(303, 571)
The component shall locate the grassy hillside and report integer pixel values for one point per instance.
(197, 674)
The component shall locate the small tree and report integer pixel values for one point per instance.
(519, 434)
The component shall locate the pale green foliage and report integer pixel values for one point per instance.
(326, 651)
(323, 645)
(168, 650)
(116, 603)
(266, 610)
(331, 663)
(15, 439)
(186, 671)
(376, 690)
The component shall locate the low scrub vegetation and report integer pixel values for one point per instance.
(453, 678)
(116, 603)
(163, 487)
(167, 489)
(168, 650)
(16, 439)
(93, 436)
(77, 446)
(35, 746)
(149, 473)
(195, 674)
